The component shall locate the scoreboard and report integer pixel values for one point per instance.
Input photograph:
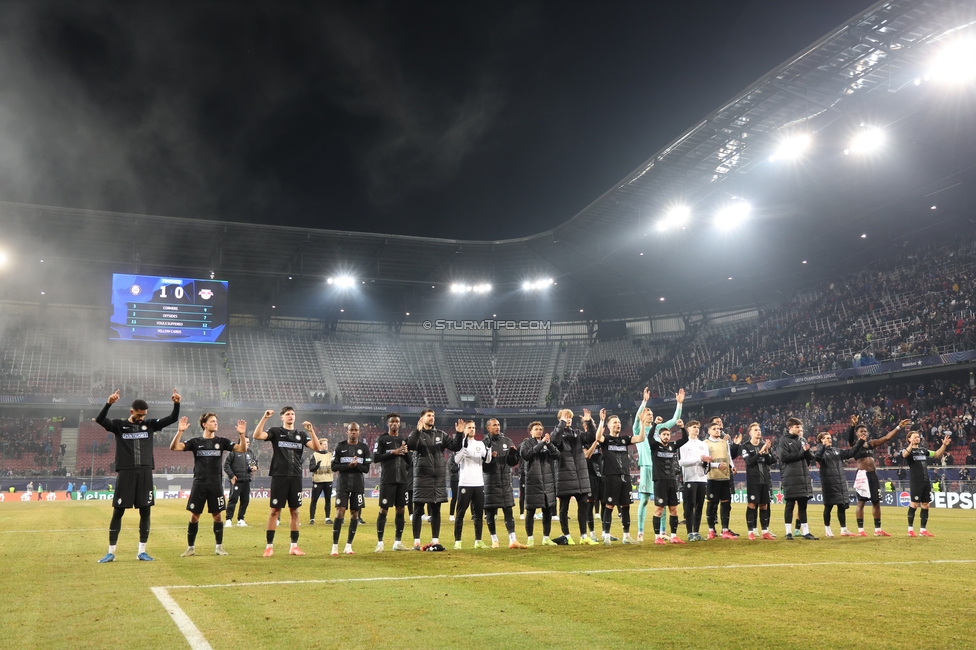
(175, 310)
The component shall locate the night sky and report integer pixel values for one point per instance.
(464, 120)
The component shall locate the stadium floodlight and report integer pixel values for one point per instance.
(955, 63)
(482, 288)
(537, 285)
(457, 288)
(791, 147)
(3, 259)
(868, 140)
(733, 214)
(674, 218)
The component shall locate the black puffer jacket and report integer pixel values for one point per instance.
(539, 464)
(572, 475)
(832, 479)
(429, 465)
(498, 473)
(795, 468)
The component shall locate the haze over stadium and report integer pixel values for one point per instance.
(737, 213)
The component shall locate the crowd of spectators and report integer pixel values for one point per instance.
(32, 438)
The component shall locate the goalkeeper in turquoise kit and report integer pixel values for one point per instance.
(644, 459)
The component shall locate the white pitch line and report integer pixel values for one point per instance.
(190, 631)
(463, 576)
(76, 530)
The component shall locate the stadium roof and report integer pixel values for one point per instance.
(609, 260)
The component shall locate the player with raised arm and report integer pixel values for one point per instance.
(498, 482)
(539, 457)
(134, 463)
(795, 458)
(758, 458)
(207, 489)
(320, 467)
(572, 475)
(719, 486)
(665, 476)
(288, 444)
(921, 485)
(645, 460)
(833, 482)
(428, 445)
(866, 482)
(471, 483)
(350, 461)
(239, 469)
(616, 473)
(594, 469)
(390, 451)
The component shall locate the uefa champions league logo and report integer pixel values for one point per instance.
(135, 290)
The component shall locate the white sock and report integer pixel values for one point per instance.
(219, 546)
(293, 545)
(923, 529)
(189, 548)
(805, 528)
(765, 531)
(494, 538)
(111, 549)
(435, 540)
(142, 547)
(911, 528)
(335, 548)
(348, 547)
(511, 537)
(789, 529)
(416, 542)
(828, 530)
(269, 546)
(531, 539)
(843, 529)
(544, 538)
(877, 530)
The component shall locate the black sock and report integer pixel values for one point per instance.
(546, 521)
(673, 520)
(115, 526)
(294, 537)
(529, 522)
(726, 514)
(842, 516)
(144, 514)
(925, 517)
(656, 524)
(625, 518)
(336, 529)
(191, 533)
(764, 518)
(801, 506)
(510, 520)
(582, 505)
(751, 519)
(607, 520)
(877, 522)
(399, 523)
(564, 515)
(435, 520)
(711, 513)
(218, 529)
(911, 516)
(353, 523)
(860, 523)
(490, 517)
(826, 514)
(270, 536)
(380, 525)
(418, 520)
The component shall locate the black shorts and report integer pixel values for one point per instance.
(665, 493)
(352, 500)
(718, 490)
(393, 495)
(596, 488)
(616, 490)
(921, 493)
(874, 488)
(286, 490)
(135, 489)
(211, 495)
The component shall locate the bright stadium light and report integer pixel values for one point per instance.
(955, 63)
(732, 214)
(460, 287)
(537, 285)
(791, 147)
(674, 218)
(457, 288)
(482, 288)
(868, 140)
(342, 281)
(3, 259)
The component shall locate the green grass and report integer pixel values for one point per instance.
(714, 594)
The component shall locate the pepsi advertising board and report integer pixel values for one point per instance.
(168, 309)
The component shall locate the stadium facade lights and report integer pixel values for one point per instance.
(537, 285)
(868, 140)
(343, 281)
(675, 218)
(955, 63)
(733, 214)
(460, 287)
(791, 147)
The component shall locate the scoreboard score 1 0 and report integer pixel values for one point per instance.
(168, 309)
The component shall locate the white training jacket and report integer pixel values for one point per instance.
(689, 457)
(469, 458)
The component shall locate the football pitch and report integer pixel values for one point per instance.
(864, 593)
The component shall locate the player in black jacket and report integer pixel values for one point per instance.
(134, 463)
(758, 458)
(207, 489)
(239, 469)
(665, 473)
(498, 482)
(350, 461)
(390, 451)
(430, 474)
(833, 483)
